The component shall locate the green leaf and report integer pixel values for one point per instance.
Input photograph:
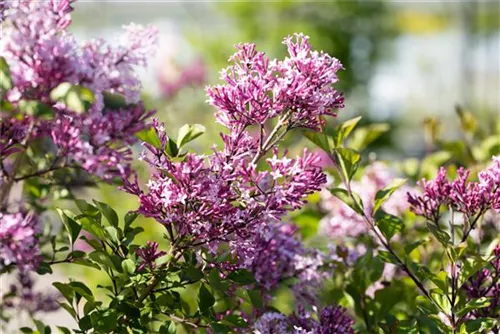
(320, 139)
(114, 101)
(344, 129)
(474, 304)
(129, 219)
(188, 133)
(75, 97)
(81, 289)
(93, 227)
(63, 330)
(205, 299)
(128, 266)
(35, 108)
(112, 233)
(343, 195)
(467, 119)
(5, 78)
(71, 225)
(364, 136)
(470, 266)
(236, 320)
(44, 268)
(440, 235)
(348, 160)
(102, 258)
(388, 224)
(108, 212)
(219, 328)
(441, 280)
(387, 257)
(256, 298)
(69, 309)
(241, 276)
(172, 149)
(384, 194)
(86, 263)
(411, 247)
(151, 137)
(65, 290)
(481, 325)
(86, 208)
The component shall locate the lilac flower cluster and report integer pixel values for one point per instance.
(276, 254)
(22, 296)
(223, 197)
(332, 320)
(41, 55)
(226, 197)
(341, 221)
(258, 89)
(486, 283)
(148, 255)
(471, 198)
(19, 241)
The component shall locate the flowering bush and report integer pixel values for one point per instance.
(389, 257)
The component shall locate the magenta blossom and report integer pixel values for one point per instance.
(148, 254)
(19, 240)
(471, 198)
(300, 87)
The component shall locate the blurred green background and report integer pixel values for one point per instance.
(404, 62)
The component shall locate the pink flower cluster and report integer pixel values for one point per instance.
(223, 197)
(276, 254)
(235, 195)
(470, 198)
(341, 221)
(332, 320)
(486, 283)
(148, 255)
(19, 241)
(257, 89)
(41, 55)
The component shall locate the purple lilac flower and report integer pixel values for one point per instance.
(222, 197)
(486, 283)
(42, 54)
(332, 320)
(258, 89)
(23, 297)
(341, 221)
(275, 254)
(468, 197)
(19, 241)
(148, 254)
(271, 323)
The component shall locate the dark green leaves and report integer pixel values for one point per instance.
(71, 225)
(76, 98)
(388, 224)
(241, 276)
(108, 213)
(205, 299)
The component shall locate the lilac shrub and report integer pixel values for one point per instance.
(354, 250)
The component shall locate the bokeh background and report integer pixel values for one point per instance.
(405, 61)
